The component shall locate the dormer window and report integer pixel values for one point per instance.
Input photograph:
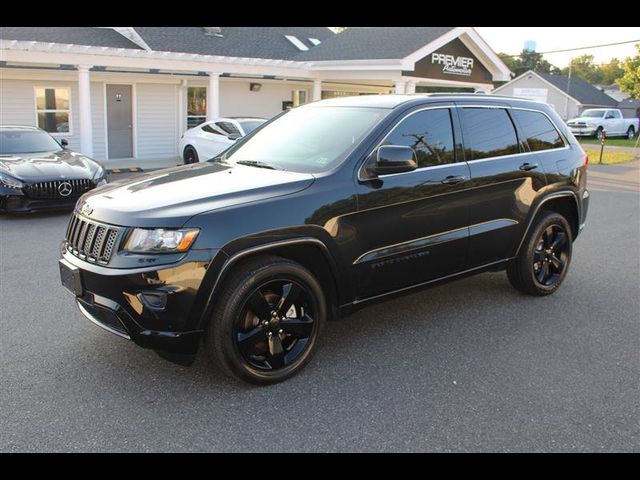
(315, 41)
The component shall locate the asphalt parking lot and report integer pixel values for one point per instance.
(469, 366)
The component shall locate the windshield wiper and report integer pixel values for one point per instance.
(257, 163)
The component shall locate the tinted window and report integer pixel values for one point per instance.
(488, 132)
(537, 130)
(429, 133)
(209, 129)
(26, 141)
(228, 127)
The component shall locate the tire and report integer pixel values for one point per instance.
(543, 249)
(598, 133)
(631, 133)
(244, 337)
(190, 155)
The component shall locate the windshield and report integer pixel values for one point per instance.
(250, 125)
(307, 139)
(593, 113)
(26, 141)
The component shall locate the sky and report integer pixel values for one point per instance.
(511, 40)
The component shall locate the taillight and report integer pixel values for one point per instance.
(586, 162)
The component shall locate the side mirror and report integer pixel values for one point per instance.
(234, 136)
(394, 159)
(64, 143)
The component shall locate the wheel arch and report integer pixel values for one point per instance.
(563, 202)
(310, 252)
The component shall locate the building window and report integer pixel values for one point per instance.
(299, 97)
(196, 106)
(53, 109)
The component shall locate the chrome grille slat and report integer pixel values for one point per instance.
(91, 240)
(49, 190)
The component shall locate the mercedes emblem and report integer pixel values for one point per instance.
(65, 189)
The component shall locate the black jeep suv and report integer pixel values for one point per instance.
(320, 211)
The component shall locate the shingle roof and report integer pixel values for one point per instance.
(629, 103)
(582, 91)
(250, 42)
(364, 43)
(97, 37)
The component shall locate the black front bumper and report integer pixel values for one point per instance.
(24, 204)
(157, 308)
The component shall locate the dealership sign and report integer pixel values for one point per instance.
(453, 65)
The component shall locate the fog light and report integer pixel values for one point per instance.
(153, 300)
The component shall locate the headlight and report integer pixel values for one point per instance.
(98, 177)
(10, 182)
(160, 240)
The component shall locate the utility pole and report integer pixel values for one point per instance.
(566, 104)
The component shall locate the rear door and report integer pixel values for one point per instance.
(412, 226)
(504, 178)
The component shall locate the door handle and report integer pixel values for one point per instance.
(528, 166)
(453, 180)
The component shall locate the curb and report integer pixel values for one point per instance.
(124, 170)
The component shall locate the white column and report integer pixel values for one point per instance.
(410, 87)
(400, 85)
(84, 94)
(317, 90)
(213, 96)
(486, 89)
(182, 107)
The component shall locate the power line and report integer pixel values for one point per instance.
(579, 48)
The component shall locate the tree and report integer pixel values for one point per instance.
(630, 81)
(611, 71)
(527, 60)
(585, 68)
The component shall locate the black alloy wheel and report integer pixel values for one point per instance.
(550, 256)
(268, 316)
(275, 325)
(544, 257)
(190, 155)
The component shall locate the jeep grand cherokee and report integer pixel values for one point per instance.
(320, 211)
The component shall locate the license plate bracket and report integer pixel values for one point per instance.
(70, 277)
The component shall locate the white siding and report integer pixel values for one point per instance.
(554, 97)
(17, 107)
(156, 126)
(236, 100)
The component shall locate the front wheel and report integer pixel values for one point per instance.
(544, 257)
(267, 320)
(631, 133)
(599, 133)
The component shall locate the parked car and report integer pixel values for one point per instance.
(594, 121)
(211, 138)
(38, 173)
(327, 208)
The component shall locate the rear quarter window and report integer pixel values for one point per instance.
(537, 130)
(488, 132)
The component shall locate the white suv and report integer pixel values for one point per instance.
(209, 139)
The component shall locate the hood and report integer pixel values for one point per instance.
(584, 119)
(169, 197)
(46, 166)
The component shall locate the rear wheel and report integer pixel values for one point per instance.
(544, 257)
(631, 133)
(267, 320)
(190, 155)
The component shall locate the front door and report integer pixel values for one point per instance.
(412, 226)
(119, 121)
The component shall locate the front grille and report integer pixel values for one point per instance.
(58, 189)
(91, 241)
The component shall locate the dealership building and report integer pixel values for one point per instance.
(125, 95)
